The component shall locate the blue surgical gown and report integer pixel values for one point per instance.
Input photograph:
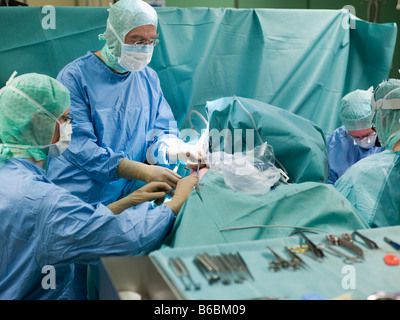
(115, 116)
(342, 153)
(43, 224)
(372, 186)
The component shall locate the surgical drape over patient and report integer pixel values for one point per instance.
(22, 122)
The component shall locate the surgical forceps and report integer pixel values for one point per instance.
(279, 263)
(371, 244)
(346, 259)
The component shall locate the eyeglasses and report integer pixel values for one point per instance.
(67, 119)
(151, 42)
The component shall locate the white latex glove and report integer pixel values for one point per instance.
(191, 154)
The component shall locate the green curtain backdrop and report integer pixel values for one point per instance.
(303, 61)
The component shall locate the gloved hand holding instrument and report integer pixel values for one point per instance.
(129, 169)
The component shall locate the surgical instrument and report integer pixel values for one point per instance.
(244, 265)
(332, 239)
(395, 245)
(311, 246)
(303, 250)
(204, 271)
(295, 257)
(182, 266)
(346, 259)
(178, 272)
(197, 184)
(218, 267)
(371, 244)
(205, 266)
(279, 263)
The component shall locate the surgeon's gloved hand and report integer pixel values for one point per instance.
(182, 191)
(191, 154)
(129, 169)
(151, 191)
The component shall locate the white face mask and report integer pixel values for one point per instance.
(63, 143)
(367, 142)
(134, 58)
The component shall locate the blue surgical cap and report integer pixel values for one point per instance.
(355, 110)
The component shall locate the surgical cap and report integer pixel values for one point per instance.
(386, 112)
(355, 110)
(124, 16)
(24, 123)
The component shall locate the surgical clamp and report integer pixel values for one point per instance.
(332, 239)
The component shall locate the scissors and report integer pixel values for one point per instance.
(196, 187)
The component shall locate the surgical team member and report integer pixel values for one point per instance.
(121, 118)
(44, 229)
(372, 184)
(355, 139)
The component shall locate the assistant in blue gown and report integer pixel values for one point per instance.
(42, 224)
(355, 139)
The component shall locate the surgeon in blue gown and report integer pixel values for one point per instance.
(355, 139)
(372, 184)
(124, 132)
(45, 229)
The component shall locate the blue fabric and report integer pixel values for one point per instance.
(114, 115)
(372, 186)
(342, 153)
(43, 224)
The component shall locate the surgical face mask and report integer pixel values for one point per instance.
(367, 142)
(55, 149)
(63, 143)
(133, 58)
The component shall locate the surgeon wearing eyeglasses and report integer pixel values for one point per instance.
(124, 131)
(356, 138)
(45, 225)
